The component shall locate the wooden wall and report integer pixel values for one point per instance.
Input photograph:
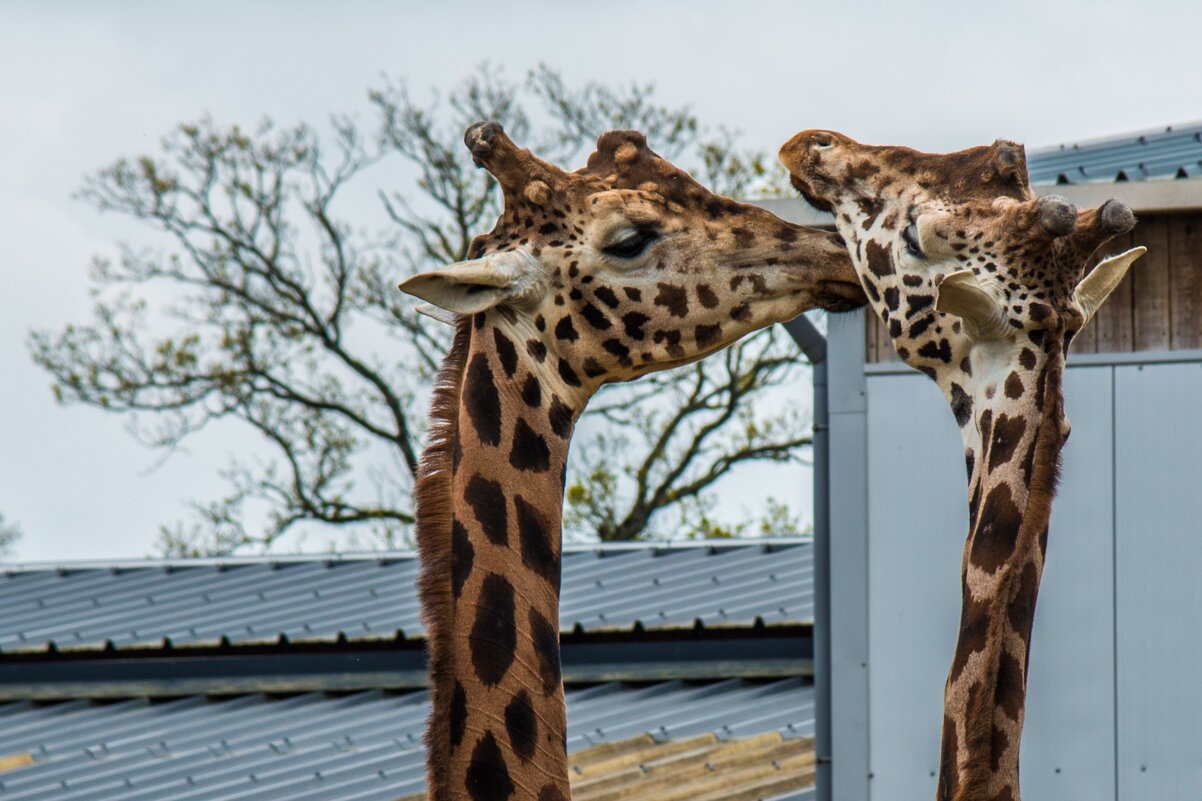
(1157, 307)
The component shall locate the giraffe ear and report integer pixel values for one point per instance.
(472, 286)
(961, 294)
(1096, 287)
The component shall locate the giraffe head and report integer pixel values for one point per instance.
(628, 264)
(955, 251)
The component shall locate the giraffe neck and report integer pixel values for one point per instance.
(1013, 456)
(489, 511)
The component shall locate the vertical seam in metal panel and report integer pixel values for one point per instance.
(1114, 564)
(867, 679)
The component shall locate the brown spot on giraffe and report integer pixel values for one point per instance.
(487, 776)
(539, 552)
(1005, 436)
(486, 499)
(482, 401)
(706, 296)
(530, 452)
(673, 298)
(521, 724)
(990, 280)
(506, 352)
(532, 392)
(581, 271)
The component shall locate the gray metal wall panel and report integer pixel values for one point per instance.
(1068, 741)
(1159, 558)
(918, 516)
(849, 559)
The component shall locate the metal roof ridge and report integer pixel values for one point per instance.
(1124, 137)
(367, 556)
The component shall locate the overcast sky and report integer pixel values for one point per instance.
(89, 82)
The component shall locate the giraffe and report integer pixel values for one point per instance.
(623, 267)
(980, 286)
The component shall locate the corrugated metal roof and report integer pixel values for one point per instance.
(359, 598)
(1168, 153)
(360, 747)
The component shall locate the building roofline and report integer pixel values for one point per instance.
(600, 548)
(1092, 141)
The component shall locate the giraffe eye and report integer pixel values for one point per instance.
(910, 237)
(631, 246)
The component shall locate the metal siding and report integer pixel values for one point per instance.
(366, 598)
(918, 516)
(1068, 739)
(1159, 557)
(363, 746)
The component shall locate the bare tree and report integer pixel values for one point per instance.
(265, 308)
(9, 534)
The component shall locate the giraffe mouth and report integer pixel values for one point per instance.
(806, 190)
(839, 296)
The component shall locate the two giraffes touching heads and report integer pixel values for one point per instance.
(628, 266)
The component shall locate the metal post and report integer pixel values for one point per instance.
(847, 582)
(813, 344)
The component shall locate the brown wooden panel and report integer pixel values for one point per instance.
(885, 351)
(1151, 286)
(1113, 324)
(1114, 319)
(870, 336)
(880, 347)
(1185, 280)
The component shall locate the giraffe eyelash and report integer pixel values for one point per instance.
(910, 237)
(631, 246)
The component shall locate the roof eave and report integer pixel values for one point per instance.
(1171, 194)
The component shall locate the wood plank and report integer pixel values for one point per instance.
(14, 761)
(1113, 323)
(1151, 286)
(885, 351)
(1185, 280)
(1086, 340)
(870, 336)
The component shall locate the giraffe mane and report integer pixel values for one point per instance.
(435, 512)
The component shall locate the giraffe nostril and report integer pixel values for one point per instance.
(821, 141)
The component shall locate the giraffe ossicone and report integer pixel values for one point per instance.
(623, 267)
(980, 285)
